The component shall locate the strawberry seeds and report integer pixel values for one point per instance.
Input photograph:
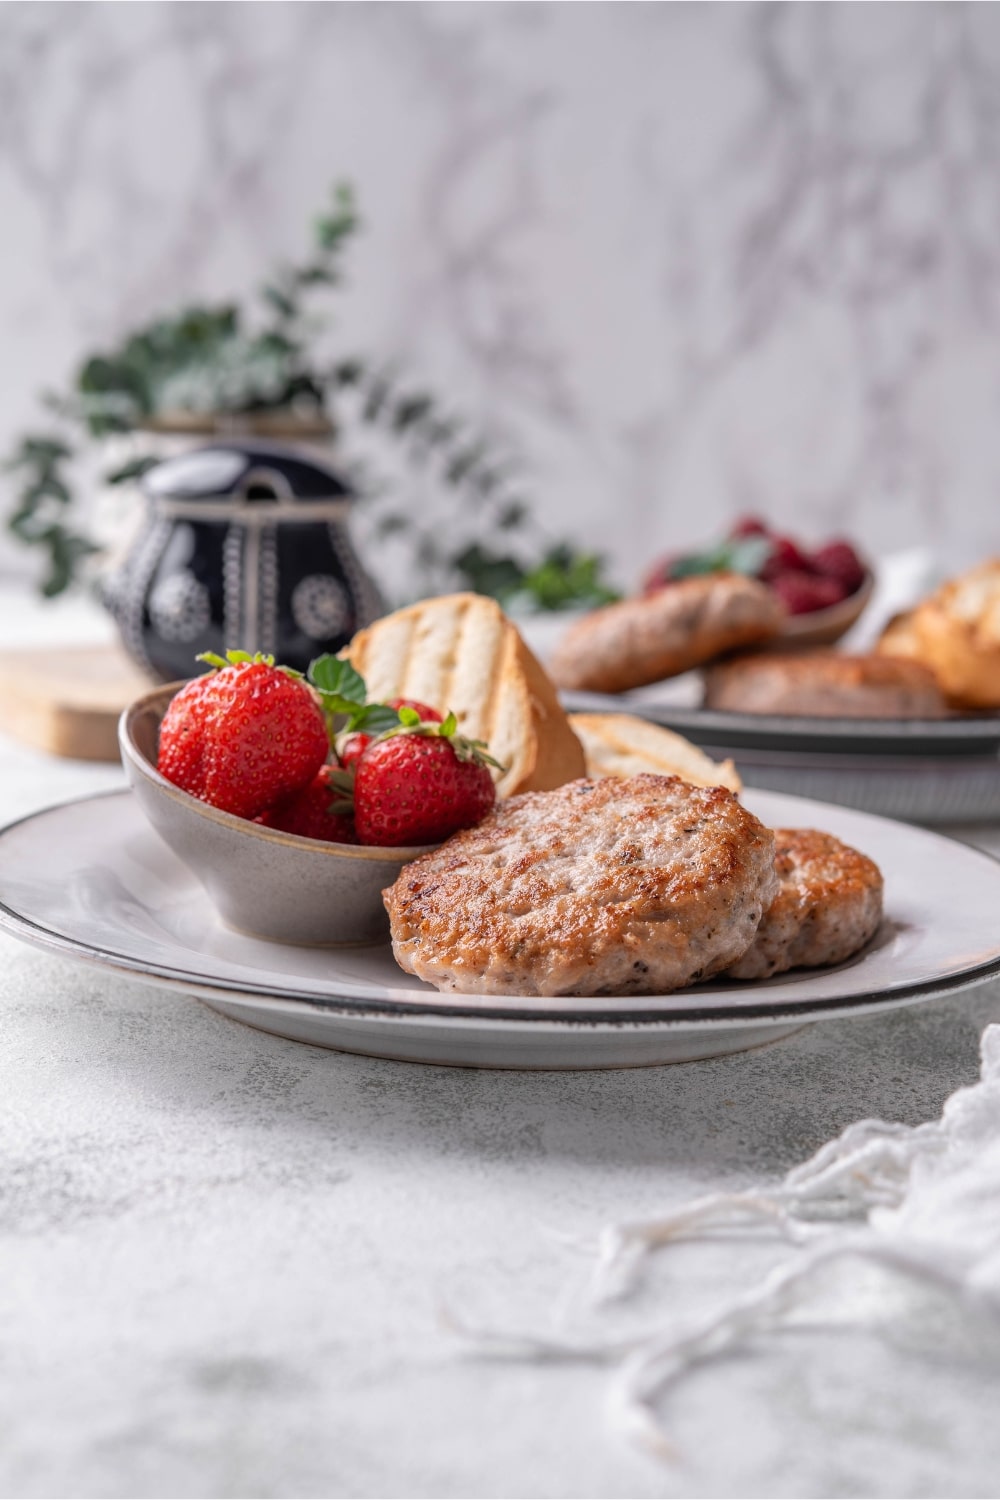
(314, 758)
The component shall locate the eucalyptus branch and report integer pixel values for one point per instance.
(43, 497)
(231, 360)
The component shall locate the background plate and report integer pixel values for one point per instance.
(924, 770)
(671, 703)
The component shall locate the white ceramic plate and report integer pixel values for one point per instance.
(90, 880)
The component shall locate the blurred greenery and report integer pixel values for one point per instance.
(234, 361)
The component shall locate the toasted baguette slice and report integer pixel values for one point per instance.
(622, 745)
(956, 634)
(459, 652)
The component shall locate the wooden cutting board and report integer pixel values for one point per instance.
(67, 701)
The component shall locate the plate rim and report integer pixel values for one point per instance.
(434, 1007)
(953, 739)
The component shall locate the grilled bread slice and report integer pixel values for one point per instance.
(622, 745)
(956, 633)
(460, 652)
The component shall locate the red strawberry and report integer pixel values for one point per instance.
(244, 737)
(801, 593)
(427, 715)
(309, 812)
(353, 746)
(839, 560)
(419, 788)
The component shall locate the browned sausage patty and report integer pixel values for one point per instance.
(829, 904)
(826, 685)
(627, 886)
(643, 640)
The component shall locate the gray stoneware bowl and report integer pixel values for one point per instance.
(262, 882)
(821, 627)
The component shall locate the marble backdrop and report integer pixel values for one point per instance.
(689, 259)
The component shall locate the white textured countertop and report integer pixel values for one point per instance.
(224, 1257)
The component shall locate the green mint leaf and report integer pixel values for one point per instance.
(332, 675)
(749, 554)
(333, 703)
(376, 718)
(743, 555)
(342, 782)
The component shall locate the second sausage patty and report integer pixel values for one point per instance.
(828, 905)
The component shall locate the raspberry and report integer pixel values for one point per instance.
(839, 560)
(785, 557)
(660, 575)
(748, 526)
(802, 592)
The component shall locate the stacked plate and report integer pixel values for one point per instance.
(921, 770)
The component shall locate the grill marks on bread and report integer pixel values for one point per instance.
(460, 652)
(610, 887)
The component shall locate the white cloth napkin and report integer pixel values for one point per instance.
(917, 1204)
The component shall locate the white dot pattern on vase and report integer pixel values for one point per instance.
(267, 599)
(320, 606)
(180, 607)
(232, 586)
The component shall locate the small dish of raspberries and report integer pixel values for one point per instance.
(294, 800)
(823, 588)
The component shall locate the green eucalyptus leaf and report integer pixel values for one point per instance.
(347, 372)
(280, 301)
(134, 469)
(392, 525)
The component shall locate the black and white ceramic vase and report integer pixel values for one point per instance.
(245, 546)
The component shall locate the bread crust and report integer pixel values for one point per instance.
(460, 652)
(956, 634)
(824, 685)
(607, 887)
(828, 906)
(639, 641)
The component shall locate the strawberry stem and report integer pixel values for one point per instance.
(240, 658)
